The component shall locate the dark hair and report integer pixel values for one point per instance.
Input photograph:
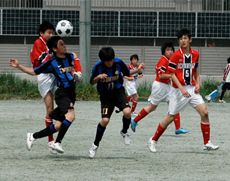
(183, 32)
(165, 46)
(52, 43)
(45, 26)
(106, 54)
(228, 60)
(134, 56)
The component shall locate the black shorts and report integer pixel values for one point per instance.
(65, 99)
(110, 100)
(226, 86)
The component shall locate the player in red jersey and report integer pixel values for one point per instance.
(183, 68)
(130, 82)
(160, 89)
(46, 82)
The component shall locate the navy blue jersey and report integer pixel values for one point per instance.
(56, 66)
(115, 75)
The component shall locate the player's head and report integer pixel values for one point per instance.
(56, 45)
(184, 37)
(228, 60)
(134, 59)
(167, 49)
(106, 55)
(46, 30)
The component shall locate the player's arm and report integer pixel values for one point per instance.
(172, 69)
(15, 63)
(197, 79)
(129, 78)
(77, 74)
(44, 68)
(140, 68)
(95, 77)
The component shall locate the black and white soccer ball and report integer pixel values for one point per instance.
(64, 28)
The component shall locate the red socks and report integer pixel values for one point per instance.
(177, 121)
(141, 115)
(134, 105)
(48, 122)
(205, 128)
(160, 130)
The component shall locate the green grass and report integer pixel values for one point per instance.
(12, 87)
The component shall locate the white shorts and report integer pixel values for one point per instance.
(177, 101)
(160, 93)
(46, 83)
(130, 87)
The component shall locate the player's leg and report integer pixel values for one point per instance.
(162, 126)
(205, 127)
(51, 129)
(224, 88)
(48, 100)
(134, 101)
(144, 112)
(107, 107)
(178, 128)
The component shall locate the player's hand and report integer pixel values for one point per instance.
(102, 76)
(140, 76)
(185, 93)
(197, 88)
(14, 63)
(77, 76)
(140, 67)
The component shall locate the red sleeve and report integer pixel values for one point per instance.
(37, 50)
(77, 65)
(161, 66)
(174, 59)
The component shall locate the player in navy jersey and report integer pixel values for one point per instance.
(108, 74)
(67, 70)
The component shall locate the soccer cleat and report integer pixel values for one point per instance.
(133, 124)
(50, 147)
(221, 101)
(209, 146)
(152, 145)
(126, 138)
(93, 151)
(181, 131)
(29, 141)
(57, 147)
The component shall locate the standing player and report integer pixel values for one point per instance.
(160, 89)
(108, 75)
(183, 66)
(46, 82)
(67, 70)
(226, 79)
(130, 82)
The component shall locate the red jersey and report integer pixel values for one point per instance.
(38, 48)
(132, 67)
(184, 66)
(162, 68)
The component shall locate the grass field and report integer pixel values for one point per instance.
(178, 157)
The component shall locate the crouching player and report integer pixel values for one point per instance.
(67, 70)
(108, 74)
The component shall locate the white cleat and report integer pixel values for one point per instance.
(152, 145)
(126, 138)
(50, 147)
(29, 141)
(57, 147)
(209, 146)
(93, 151)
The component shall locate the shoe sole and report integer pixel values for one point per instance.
(210, 149)
(27, 140)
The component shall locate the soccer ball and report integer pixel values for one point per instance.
(64, 28)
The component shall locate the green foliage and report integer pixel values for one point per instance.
(208, 86)
(86, 92)
(144, 90)
(13, 87)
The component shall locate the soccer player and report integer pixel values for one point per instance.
(67, 70)
(183, 67)
(46, 82)
(226, 79)
(160, 89)
(130, 82)
(108, 74)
